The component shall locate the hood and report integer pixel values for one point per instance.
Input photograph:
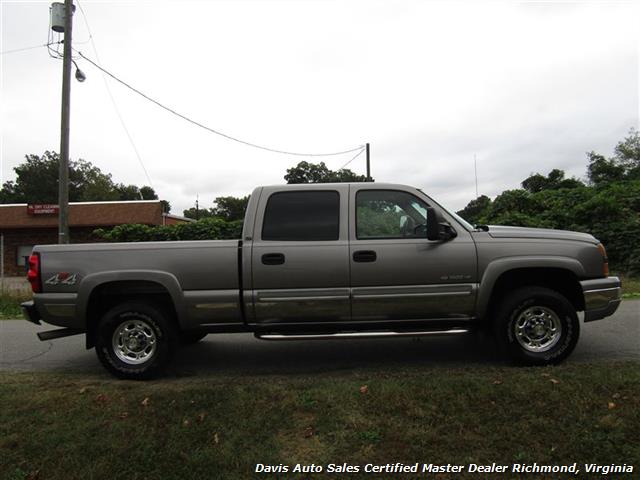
(498, 231)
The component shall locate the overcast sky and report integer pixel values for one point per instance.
(525, 86)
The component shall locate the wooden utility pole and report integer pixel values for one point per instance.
(368, 165)
(63, 176)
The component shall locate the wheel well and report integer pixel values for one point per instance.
(562, 281)
(108, 295)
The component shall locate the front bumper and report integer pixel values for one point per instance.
(30, 312)
(602, 297)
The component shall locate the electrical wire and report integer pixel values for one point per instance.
(54, 53)
(113, 100)
(355, 156)
(25, 49)
(198, 124)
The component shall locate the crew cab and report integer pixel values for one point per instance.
(326, 261)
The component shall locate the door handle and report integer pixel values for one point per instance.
(273, 259)
(364, 256)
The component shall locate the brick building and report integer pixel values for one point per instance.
(22, 226)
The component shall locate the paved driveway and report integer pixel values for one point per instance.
(615, 338)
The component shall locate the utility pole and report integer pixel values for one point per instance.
(63, 177)
(368, 165)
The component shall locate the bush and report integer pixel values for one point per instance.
(205, 229)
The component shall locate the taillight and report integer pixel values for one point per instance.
(605, 260)
(33, 275)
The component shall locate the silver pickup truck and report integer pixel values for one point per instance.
(326, 261)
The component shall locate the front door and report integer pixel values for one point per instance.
(396, 273)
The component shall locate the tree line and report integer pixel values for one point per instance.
(37, 182)
(606, 203)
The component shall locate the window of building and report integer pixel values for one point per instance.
(302, 216)
(22, 258)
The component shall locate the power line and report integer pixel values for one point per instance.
(356, 156)
(27, 48)
(228, 137)
(113, 100)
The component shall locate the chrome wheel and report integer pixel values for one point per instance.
(538, 329)
(134, 341)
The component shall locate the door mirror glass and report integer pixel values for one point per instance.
(433, 224)
(437, 227)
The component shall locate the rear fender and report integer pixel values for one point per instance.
(166, 280)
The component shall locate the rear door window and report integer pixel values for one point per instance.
(302, 216)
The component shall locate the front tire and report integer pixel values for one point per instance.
(537, 326)
(135, 341)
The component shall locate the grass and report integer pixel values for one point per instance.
(67, 426)
(630, 287)
(10, 306)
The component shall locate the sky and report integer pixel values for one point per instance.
(523, 87)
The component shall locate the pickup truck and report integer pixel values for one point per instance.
(325, 261)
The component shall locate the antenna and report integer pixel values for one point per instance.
(475, 167)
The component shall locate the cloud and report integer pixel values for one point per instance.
(524, 87)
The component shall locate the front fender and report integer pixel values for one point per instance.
(498, 267)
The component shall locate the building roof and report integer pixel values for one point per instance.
(86, 214)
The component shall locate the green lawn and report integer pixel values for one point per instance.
(630, 287)
(10, 307)
(65, 426)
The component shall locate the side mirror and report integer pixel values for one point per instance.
(433, 224)
(437, 228)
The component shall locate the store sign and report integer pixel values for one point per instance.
(42, 209)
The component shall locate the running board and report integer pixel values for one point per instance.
(59, 333)
(346, 335)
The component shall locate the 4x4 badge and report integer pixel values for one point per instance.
(62, 278)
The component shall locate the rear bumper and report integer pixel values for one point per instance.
(602, 297)
(30, 312)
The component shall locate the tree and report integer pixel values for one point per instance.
(37, 182)
(511, 201)
(624, 164)
(476, 209)
(553, 181)
(198, 213)
(535, 183)
(306, 172)
(601, 171)
(230, 208)
(226, 208)
(627, 153)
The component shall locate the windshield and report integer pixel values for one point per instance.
(464, 223)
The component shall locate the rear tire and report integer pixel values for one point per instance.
(537, 326)
(135, 341)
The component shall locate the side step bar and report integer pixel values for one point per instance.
(346, 335)
(59, 333)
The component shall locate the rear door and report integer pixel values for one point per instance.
(299, 258)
